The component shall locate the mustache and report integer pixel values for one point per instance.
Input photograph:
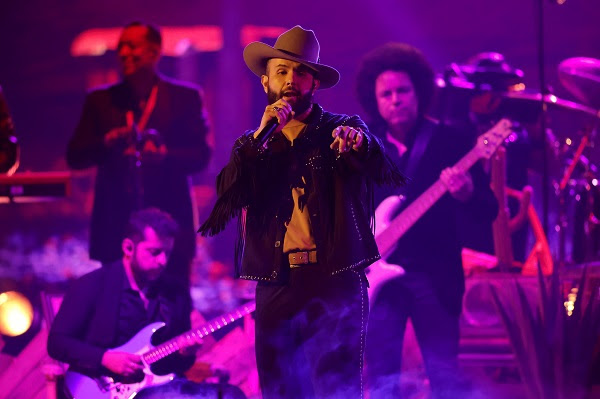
(290, 92)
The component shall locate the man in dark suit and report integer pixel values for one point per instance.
(105, 308)
(145, 134)
(395, 86)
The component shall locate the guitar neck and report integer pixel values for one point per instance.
(191, 337)
(387, 239)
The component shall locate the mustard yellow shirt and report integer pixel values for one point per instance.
(299, 233)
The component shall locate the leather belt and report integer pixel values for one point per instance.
(297, 259)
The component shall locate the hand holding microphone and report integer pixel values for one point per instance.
(275, 117)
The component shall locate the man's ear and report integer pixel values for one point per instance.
(156, 51)
(264, 79)
(316, 84)
(127, 246)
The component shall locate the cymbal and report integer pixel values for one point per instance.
(581, 77)
(461, 96)
(532, 101)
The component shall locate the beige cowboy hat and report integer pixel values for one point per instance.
(296, 44)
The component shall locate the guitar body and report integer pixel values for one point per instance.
(384, 215)
(83, 387)
(381, 271)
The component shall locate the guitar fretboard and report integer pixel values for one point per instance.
(191, 337)
(486, 145)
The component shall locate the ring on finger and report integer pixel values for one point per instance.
(276, 109)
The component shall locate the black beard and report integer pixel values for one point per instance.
(302, 103)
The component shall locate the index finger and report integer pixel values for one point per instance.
(344, 131)
(335, 132)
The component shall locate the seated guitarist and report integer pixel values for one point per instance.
(395, 86)
(107, 307)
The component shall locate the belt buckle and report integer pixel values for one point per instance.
(300, 258)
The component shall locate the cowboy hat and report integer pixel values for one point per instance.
(297, 44)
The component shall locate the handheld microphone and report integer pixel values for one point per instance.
(266, 132)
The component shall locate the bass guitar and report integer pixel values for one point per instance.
(392, 229)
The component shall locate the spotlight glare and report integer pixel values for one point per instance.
(16, 313)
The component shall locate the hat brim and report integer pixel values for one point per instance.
(256, 55)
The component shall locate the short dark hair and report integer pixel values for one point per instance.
(153, 35)
(161, 222)
(394, 57)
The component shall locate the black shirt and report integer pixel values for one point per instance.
(133, 315)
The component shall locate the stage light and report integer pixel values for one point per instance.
(16, 313)
(570, 302)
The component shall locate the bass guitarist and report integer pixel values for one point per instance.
(395, 86)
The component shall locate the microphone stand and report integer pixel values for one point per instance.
(543, 121)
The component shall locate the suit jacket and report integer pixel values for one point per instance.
(86, 323)
(179, 118)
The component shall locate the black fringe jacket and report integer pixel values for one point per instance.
(256, 184)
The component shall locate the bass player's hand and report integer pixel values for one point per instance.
(459, 183)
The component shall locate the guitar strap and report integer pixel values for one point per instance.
(418, 148)
(147, 111)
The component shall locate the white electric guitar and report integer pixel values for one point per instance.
(389, 230)
(82, 386)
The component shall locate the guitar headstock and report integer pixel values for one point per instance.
(489, 141)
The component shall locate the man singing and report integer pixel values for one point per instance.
(305, 232)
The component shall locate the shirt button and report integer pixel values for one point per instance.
(277, 244)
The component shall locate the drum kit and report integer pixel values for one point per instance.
(487, 88)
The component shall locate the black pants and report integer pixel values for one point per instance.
(310, 335)
(436, 329)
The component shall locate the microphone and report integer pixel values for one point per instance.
(266, 132)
